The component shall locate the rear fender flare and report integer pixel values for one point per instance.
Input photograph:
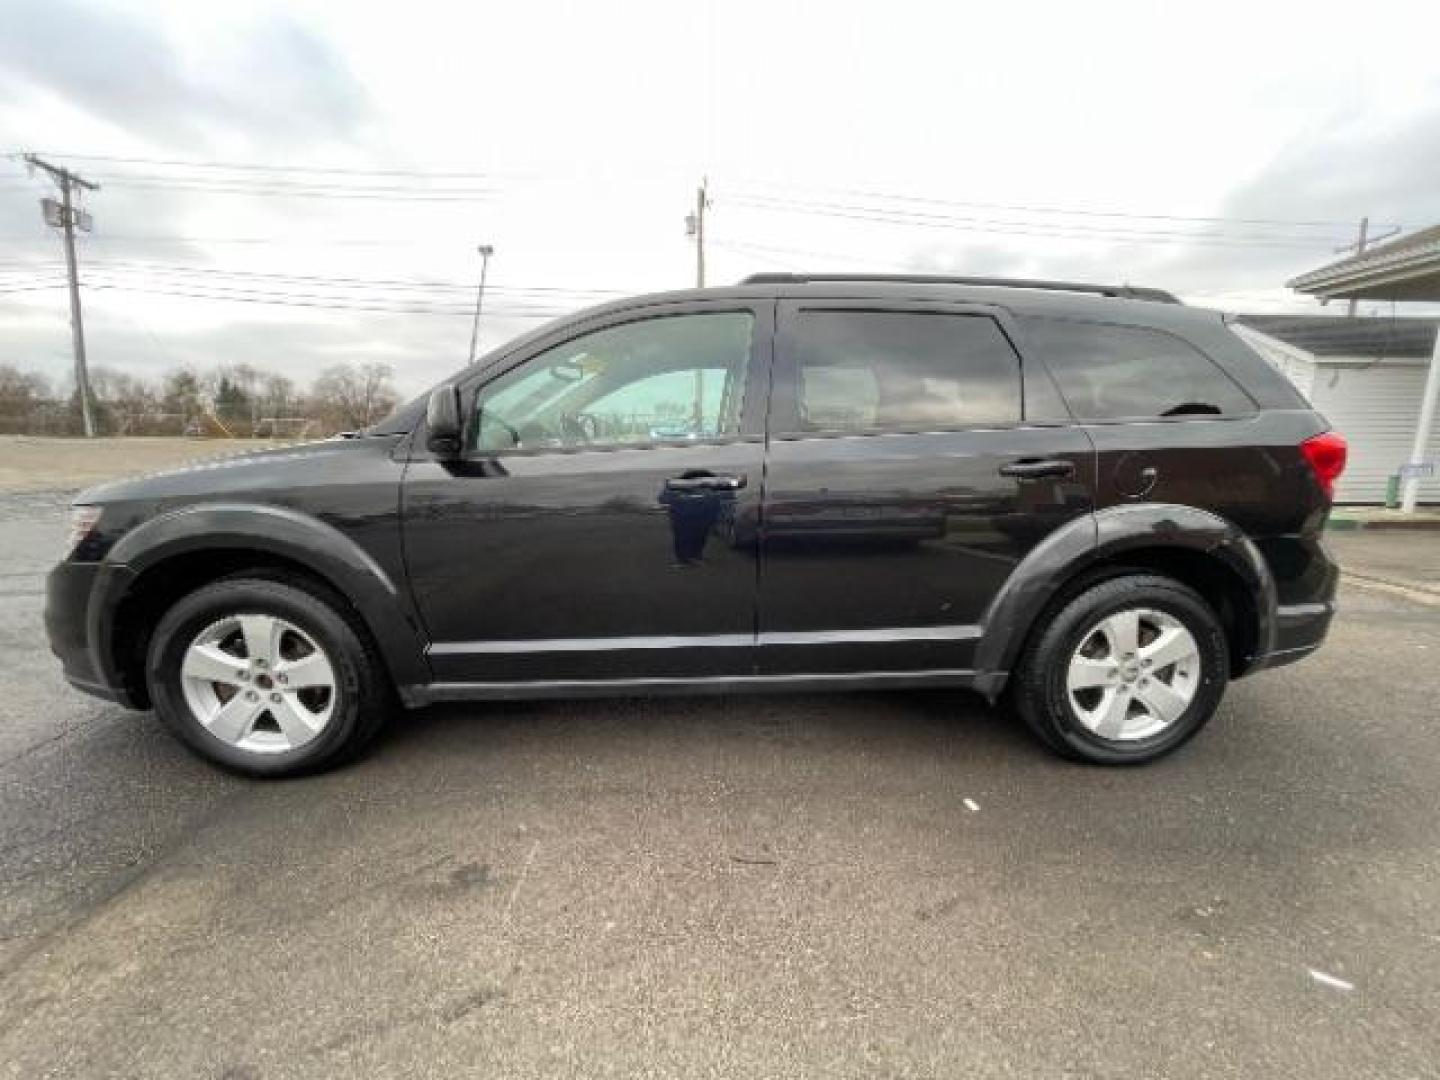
(1102, 537)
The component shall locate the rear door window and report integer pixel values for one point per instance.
(1109, 372)
(858, 371)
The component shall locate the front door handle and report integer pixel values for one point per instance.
(705, 482)
(1032, 469)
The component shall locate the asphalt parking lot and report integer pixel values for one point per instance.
(879, 885)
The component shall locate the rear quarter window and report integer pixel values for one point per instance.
(1111, 372)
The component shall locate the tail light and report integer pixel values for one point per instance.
(1326, 454)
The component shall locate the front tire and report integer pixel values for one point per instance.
(266, 676)
(1125, 672)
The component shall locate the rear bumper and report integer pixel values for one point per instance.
(1299, 631)
(71, 592)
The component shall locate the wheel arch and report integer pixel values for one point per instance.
(1196, 547)
(152, 567)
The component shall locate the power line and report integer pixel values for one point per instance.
(273, 241)
(864, 193)
(273, 191)
(1067, 211)
(744, 246)
(7, 288)
(266, 293)
(327, 302)
(262, 168)
(172, 269)
(291, 182)
(918, 219)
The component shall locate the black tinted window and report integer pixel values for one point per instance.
(879, 370)
(1110, 372)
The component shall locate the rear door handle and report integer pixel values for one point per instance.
(1031, 469)
(705, 483)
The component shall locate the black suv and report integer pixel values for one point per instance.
(1092, 502)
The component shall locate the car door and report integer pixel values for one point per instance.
(600, 524)
(913, 462)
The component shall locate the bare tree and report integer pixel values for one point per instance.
(125, 403)
(182, 392)
(379, 391)
(24, 396)
(352, 396)
(250, 381)
(276, 396)
(21, 389)
(126, 392)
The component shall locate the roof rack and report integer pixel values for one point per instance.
(1125, 292)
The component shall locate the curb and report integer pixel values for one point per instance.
(1417, 594)
(1344, 525)
(1430, 523)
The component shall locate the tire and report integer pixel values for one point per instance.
(226, 666)
(1077, 690)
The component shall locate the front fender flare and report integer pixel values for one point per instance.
(276, 530)
(1102, 537)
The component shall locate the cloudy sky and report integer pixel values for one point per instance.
(304, 184)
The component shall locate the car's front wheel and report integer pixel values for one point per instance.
(1125, 672)
(266, 676)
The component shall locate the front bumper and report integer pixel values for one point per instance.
(71, 594)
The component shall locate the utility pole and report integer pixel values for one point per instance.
(68, 216)
(485, 251)
(1359, 247)
(1359, 250)
(695, 226)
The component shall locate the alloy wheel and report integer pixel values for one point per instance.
(1133, 675)
(259, 683)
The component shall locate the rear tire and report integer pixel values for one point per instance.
(1124, 673)
(267, 676)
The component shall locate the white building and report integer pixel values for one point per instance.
(1404, 269)
(1367, 376)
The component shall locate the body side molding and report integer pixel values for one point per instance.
(694, 641)
(716, 684)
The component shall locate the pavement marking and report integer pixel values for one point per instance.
(524, 872)
(1330, 980)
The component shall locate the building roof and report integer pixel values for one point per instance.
(1331, 335)
(1407, 268)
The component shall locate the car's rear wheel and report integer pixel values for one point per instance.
(1125, 672)
(266, 676)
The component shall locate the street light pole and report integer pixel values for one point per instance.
(485, 251)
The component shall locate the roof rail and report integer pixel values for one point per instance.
(1125, 292)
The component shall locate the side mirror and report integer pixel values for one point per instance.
(442, 423)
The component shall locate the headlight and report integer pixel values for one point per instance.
(83, 520)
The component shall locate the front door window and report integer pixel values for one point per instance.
(666, 379)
